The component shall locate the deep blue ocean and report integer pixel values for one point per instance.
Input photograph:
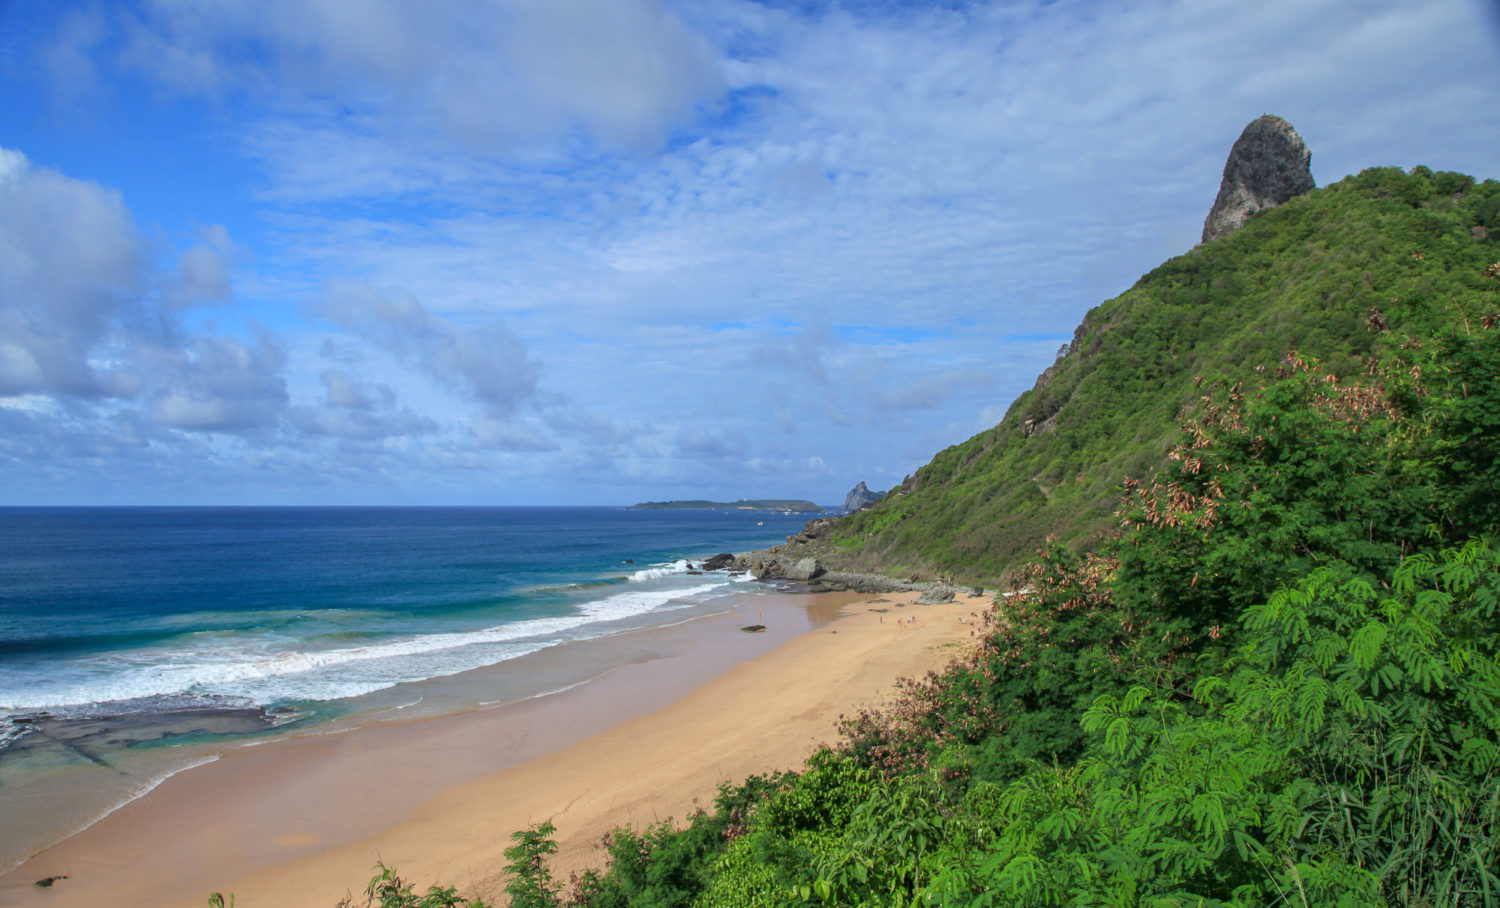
(110, 611)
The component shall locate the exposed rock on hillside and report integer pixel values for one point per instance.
(776, 564)
(860, 497)
(816, 528)
(1267, 166)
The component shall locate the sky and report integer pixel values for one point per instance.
(519, 252)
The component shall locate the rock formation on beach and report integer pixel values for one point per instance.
(1267, 166)
(719, 562)
(860, 497)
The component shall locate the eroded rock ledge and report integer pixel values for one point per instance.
(795, 563)
(772, 565)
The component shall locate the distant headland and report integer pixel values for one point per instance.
(744, 504)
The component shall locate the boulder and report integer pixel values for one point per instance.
(936, 595)
(805, 569)
(762, 568)
(1267, 166)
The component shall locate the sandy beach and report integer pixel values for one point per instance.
(301, 821)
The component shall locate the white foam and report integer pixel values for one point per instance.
(658, 571)
(10, 733)
(226, 666)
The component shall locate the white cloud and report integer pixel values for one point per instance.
(495, 435)
(742, 238)
(357, 411)
(203, 269)
(483, 359)
(347, 394)
(85, 315)
(222, 385)
(933, 391)
(697, 442)
(513, 74)
(71, 265)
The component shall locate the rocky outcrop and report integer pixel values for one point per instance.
(719, 562)
(859, 582)
(812, 530)
(860, 497)
(1267, 166)
(772, 565)
(1032, 426)
(804, 569)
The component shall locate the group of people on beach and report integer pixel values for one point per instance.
(911, 618)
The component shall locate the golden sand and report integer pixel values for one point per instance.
(301, 821)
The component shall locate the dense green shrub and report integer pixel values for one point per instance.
(531, 883)
(664, 865)
(1279, 684)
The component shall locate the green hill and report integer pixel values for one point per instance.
(1341, 274)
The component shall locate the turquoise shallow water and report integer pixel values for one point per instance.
(130, 610)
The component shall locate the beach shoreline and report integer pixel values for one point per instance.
(302, 820)
(71, 771)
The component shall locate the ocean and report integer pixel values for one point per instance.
(135, 642)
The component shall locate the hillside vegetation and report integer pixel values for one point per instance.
(1263, 672)
(1277, 684)
(1271, 676)
(1398, 248)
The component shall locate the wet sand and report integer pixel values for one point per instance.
(301, 821)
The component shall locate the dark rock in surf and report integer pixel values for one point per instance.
(718, 562)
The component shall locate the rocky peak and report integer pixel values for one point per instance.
(860, 497)
(1267, 166)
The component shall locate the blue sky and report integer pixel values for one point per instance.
(602, 251)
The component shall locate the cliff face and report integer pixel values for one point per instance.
(860, 497)
(1267, 166)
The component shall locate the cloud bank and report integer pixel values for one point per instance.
(607, 250)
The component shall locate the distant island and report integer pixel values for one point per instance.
(744, 504)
